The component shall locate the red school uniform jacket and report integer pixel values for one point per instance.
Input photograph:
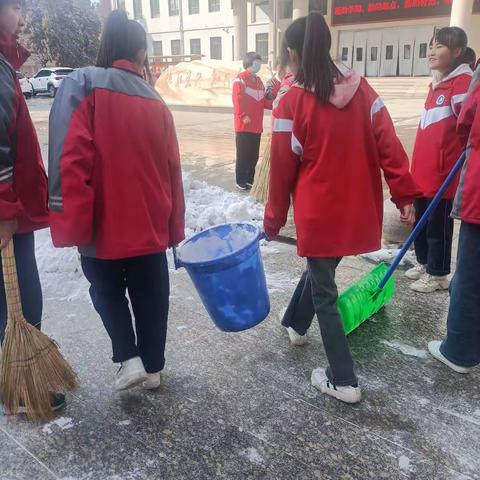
(114, 168)
(23, 181)
(467, 201)
(437, 146)
(330, 157)
(249, 100)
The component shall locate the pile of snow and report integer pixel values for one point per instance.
(207, 206)
(388, 256)
(214, 246)
(406, 349)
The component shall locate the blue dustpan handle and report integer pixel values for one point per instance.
(421, 223)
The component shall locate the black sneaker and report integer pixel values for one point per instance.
(249, 186)
(243, 187)
(58, 402)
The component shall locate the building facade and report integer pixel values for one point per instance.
(376, 38)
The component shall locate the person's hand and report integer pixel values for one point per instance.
(7, 230)
(246, 120)
(407, 215)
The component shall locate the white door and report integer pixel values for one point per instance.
(359, 52)
(374, 47)
(389, 59)
(423, 36)
(345, 49)
(406, 49)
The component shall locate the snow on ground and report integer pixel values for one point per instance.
(406, 349)
(388, 255)
(206, 206)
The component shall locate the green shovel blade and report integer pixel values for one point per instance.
(364, 299)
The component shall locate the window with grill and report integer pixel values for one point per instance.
(195, 46)
(155, 8)
(213, 5)
(193, 7)
(137, 9)
(157, 48)
(176, 47)
(216, 48)
(285, 8)
(261, 46)
(173, 8)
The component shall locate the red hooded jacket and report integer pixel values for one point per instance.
(330, 157)
(437, 146)
(23, 182)
(467, 201)
(115, 177)
(249, 100)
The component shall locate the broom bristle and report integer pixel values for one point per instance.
(262, 176)
(32, 368)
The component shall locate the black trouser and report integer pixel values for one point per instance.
(147, 281)
(248, 151)
(433, 247)
(29, 282)
(462, 342)
(323, 296)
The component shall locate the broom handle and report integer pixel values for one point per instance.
(421, 223)
(10, 280)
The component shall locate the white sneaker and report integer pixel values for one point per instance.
(344, 394)
(297, 339)
(429, 284)
(153, 381)
(131, 373)
(434, 349)
(416, 272)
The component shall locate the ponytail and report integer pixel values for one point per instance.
(122, 39)
(310, 38)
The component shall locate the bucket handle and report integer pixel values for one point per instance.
(176, 261)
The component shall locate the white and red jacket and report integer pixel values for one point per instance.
(330, 157)
(249, 100)
(115, 178)
(437, 146)
(23, 181)
(467, 201)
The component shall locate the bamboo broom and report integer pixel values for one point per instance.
(32, 366)
(262, 175)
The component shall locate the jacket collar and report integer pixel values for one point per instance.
(128, 66)
(13, 52)
(463, 69)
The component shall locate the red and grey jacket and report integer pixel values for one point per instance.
(23, 182)
(249, 100)
(467, 201)
(115, 177)
(437, 146)
(334, 174)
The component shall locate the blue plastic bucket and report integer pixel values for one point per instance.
(226, 267)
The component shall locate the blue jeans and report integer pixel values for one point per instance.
(147, 280)
(462, 343)
(29, 282)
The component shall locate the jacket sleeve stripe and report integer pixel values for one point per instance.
(282, 125)
(7, 112)
(376, 107)
(72, 94)
(297, 147)
(459, 98)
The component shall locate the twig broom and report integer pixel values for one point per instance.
(32, 366)
(262, 176)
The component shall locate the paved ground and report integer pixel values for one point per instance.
(239, 406)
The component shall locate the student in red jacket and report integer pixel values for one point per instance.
(23, 182)
(437, 148)
(460, 349)
(332, 137)
(249, 103)
(116, 193)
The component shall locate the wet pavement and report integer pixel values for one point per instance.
(240, 406)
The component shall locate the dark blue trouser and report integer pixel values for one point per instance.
(433, 247)
(29, 282)
(147, 281)
(462, 342)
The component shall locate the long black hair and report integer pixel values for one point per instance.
(310, 37)
(453, 38)
(122, 39)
